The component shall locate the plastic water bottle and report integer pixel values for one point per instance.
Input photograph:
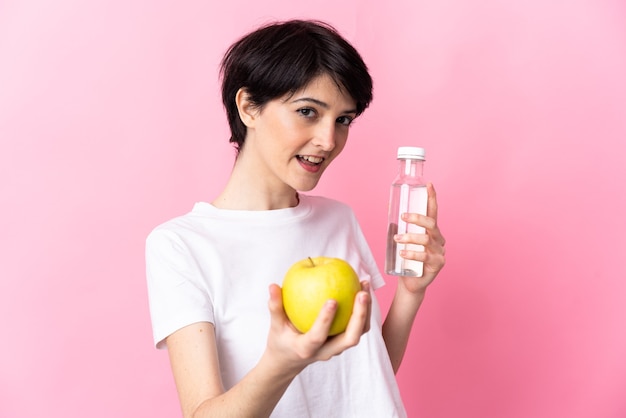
(408, 194)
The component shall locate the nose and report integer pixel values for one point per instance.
(324, 137)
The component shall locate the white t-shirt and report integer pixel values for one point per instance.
(216, 265)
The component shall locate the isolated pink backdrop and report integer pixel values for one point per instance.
(110, 123)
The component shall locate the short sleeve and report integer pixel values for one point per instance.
(176, 295)
(368, 262)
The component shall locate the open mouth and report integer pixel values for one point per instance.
(310, 160)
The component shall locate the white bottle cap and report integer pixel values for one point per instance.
(412, 153)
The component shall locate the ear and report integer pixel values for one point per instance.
(247, 110)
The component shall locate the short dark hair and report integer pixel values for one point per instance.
(282, 58)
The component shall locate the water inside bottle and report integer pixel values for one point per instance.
(415, 199)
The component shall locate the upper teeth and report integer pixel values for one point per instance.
(311, 159)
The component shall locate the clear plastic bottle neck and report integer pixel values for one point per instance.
(409, 167)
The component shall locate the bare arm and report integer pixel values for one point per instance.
(195, 363)
(411, 290)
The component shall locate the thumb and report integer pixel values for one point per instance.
(275, 302)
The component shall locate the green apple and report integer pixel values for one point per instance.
(309, 283)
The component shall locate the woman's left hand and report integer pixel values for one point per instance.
(433, 241)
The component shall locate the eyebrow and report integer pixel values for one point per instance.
(319, 103)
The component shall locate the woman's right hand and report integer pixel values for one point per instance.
(195, 363)
(294, 350)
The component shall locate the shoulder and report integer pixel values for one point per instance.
(175, 231)
(326, 203)
(169, 227)
(331, 212)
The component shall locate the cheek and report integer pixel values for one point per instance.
(290, 129)
(277, 121)
(340, 142)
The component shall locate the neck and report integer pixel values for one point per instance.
(246, 190)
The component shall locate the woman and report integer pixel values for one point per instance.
(291, 91)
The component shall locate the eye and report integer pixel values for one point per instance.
(307, 112)
(345, 120)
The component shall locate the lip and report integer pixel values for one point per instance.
(311, 168)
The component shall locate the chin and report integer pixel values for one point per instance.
(306, 187)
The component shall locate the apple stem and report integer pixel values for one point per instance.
(312, 263)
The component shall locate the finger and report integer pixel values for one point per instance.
(368, 316)
(412, 238)
(356, 327)
(432, 207)
(318, 334)
(433, 263)
(431, 230)
(276, 298)
(425, 245)
(427, 257)
(419, 220)
(275, 304)
(359, 318)
(433, 240)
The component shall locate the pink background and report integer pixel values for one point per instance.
(110, 123)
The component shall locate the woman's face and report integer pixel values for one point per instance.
(293, 139)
